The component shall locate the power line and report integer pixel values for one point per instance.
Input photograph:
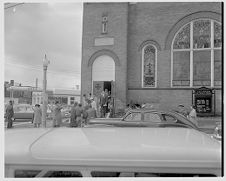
(12, 5)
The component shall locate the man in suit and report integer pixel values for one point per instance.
(103, 103)
(73, 115)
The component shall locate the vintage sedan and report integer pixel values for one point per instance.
(23, 112)
(109, 151)
(147, 117)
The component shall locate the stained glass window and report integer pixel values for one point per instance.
(192, 63)
(217, 35)
(217, 68)
(182, 40)
(202, 32)
(149, 66)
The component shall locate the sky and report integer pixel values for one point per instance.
(32, 30)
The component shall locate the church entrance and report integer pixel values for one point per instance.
(103, 75)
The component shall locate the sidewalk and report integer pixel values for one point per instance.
(209, 122)
(65, 123)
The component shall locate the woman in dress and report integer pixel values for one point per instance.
(57, 119)
(37, 116)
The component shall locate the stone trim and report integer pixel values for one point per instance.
(148, 42)
(104, 52)
(176, 27)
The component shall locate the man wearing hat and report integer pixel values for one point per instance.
(9, 113)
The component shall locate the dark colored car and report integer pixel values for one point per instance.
(23, 112)
(147, 117)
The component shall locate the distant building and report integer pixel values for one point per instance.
(64, 96)
(19, 94)
(37, 97)
(33, 95)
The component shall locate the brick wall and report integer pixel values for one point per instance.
(131, 25)
(153, 21)
(117, 29)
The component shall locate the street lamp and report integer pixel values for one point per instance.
(44, 94)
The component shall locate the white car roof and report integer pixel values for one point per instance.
(112, 146)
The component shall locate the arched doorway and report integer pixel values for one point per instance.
(103, 74)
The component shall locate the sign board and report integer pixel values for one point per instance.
(203, 99)
(98, 87)
(103, 41)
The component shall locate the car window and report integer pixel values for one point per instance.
(20, 109)
(29, 109)
(133, 117)
(169, 118)
(63, 174)
(26, 173)
(152, 117)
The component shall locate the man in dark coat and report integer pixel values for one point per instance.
(9, 113)
(78, 113)
(103, 103)
(73, 115)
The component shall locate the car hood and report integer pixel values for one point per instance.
(113, 146)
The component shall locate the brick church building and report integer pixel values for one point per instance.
(163, 53)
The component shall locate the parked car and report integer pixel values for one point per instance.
(23, 112)
(111, 152)
(151, 117)
(142, 117)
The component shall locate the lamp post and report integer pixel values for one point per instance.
(44, 94)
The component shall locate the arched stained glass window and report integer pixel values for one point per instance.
(182, 40)
(201, 34)
(196, 54)
(149, 66)
(217, 35)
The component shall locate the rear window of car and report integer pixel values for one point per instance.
(23, 109)
(169, 118)
(152, 117)
(133, 117)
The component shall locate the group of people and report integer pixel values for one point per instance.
(56, 115)
(106, 104)
(80, 115)
(103, 105)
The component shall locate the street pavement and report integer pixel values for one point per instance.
(28, 124)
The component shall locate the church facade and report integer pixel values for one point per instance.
(154, 52)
